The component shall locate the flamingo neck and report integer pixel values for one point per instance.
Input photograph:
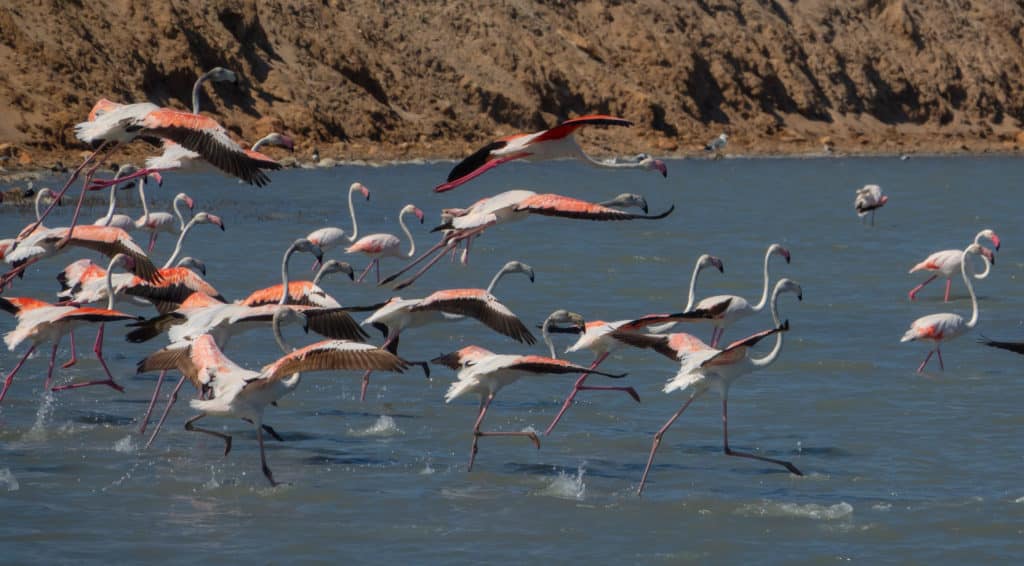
(177, 212)
(770, 357)
(352, 213)
(105, 221)
(608, 163)
(145, 207)
(408, 234)
(497, 276)
(285, 295)
(259, 143)
(764, 291)
(177, 246)
(693, 287)
(970, 289)
(320, 275)
(196, 89)
(275, 324)
(985, 272)
(39, 200)
(547, 339)
(110, 283)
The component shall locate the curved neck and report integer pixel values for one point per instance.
(770, 358)
(145, 206)
(609, 163)
(177, 212)
(259, 143)
(547, 339)
(110, 283)
(984, 272)
(408, 234)
(693, 287)
(278, 337)
(39, 200)
(764, 292)
(970, 289)
(110, 208)
(320, 275)
(177, 246)
(352, 213)
(497, 276)
(285, 295)
(196, 89)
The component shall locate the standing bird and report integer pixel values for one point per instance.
(555, 143)
(738, 307)
(947, 263)
(122, 221)
(329, 237)
(943, 327)
(717, 145)
(156, 222)
(869, 199)
(381, 245)
(242, 393)
(485, 373)
(42, 322)
(703, 367)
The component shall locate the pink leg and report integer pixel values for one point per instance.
(938, 350)
(377, 262)
(477, 433)
(453, 241)
(444, 242)
(263, 457)
(97, 348)
(920, 368)
(725, 435)
(366, 383)
(913, 292)
(74, 357)
(170, 403)
(10, 376)
(365, 271)
(152, 241)
(572, 394)
(49, 371)
(152, 402)
(67, 185)
(97, 185)
(657, 441)
(78, 207)
(949, 282)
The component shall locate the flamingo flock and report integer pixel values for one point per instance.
(199, 323)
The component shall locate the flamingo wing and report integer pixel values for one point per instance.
(1017, 347)
(111, 241)
(568, 207)
(481, 305)
(738, 350)
(567, 127)
(543, 365)
(332, 355)
(175, 357)
(657, 342)
(712, 311)
(176, 286)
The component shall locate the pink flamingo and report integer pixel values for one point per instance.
(330, 236)
(381, 245)
(555, 143)
(947, 263)
(106, 240)
(703, 367)
(40, 322)
(869, 199)
(943, 327)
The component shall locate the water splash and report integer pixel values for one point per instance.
(567, 486)
(1019, 500)
(38, 431)
(814, 511)
(428, 469)
(383, 426)
(7, 479)
(126, 445)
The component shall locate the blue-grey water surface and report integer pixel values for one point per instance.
(900, 467)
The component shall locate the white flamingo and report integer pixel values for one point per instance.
(330, 236)
(381, 245)
(947, 263)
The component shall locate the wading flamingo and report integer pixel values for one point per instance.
(156, 222)
(555, 143)
(943, 327)
(869, 199)
(703, 367)
(947, 263)
(381, 245)
(330, 236)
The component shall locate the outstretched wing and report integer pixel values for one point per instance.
(568, 207)
(481, 305)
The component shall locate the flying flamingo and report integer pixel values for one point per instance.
(106, 240)
(738, 307)
(329, 237)
(377, 246)
(181, 160)
(465, 224)
(555, 143)
(869, 199)
(943, 327)
(704, 367)
(40, 322)
(947, 263)
(123, 221)
(242, 393)
(306, 293)
(485, 373)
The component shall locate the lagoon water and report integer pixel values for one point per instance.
(900, 467)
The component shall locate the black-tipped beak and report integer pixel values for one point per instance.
(800, 297)
(351, 276)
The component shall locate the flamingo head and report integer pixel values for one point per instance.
(519, 267)
(786, 285)
(194, 264)
(221, 75)
(780, 251)
(124, 261)
(281, 140)
(650, 163)
(207, 218)
(335, 266)
(707, 260)
(413, 209)
(987, 254)
(46, 192)
(287, 314)
(562, 316)
(357, 186)
(626, 200)
(304, 245)
(991, 236)
(462, 357)
(191, 204)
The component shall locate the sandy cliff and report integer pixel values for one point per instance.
(395, 79)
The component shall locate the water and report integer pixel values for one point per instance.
(900, 466)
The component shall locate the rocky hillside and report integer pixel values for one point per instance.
(402, 78)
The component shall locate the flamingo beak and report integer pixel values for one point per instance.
(785, 254)
(718, 264)
(419, 214)
(530, 273)
(288, 143)
(991, 257)
(659, 165)
(218, 221)
(159, 179)
(995, 241)
(190, 203)
(365, 191)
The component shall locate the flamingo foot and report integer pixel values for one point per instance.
(108, 382)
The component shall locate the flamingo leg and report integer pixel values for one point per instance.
(657, 440)
(74, 356)
(377, 262)
(103, 184)
(366, 383)
(10, 376)
(49, 370)
(152, 402)
(365, 271)
(872, 217)
(465, 253)
(730, 452)
(913, 292)
(152, 241)
(920, 368)
(263, 457)
(477, 433)
(81, 198)
(938, 350)
(227, 437)
(453, 240)
(170, 403)
(949, 282)
(572, 394)
(67, 185)
(97, 348)
(444, 242)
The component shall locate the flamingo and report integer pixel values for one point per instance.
(555, 143)
(122, 221)
(156, 222)
(449, 305)
(11, 243)
(329, 237)
(738, 307)
(40, 322)
(306, 293)
(703, 367)
(242, 393)
(484, 373)
(179, 159)
(943, 327)
(106, 240)
(509, 206)
(377, 246)
(869, 199)
(947, 263)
